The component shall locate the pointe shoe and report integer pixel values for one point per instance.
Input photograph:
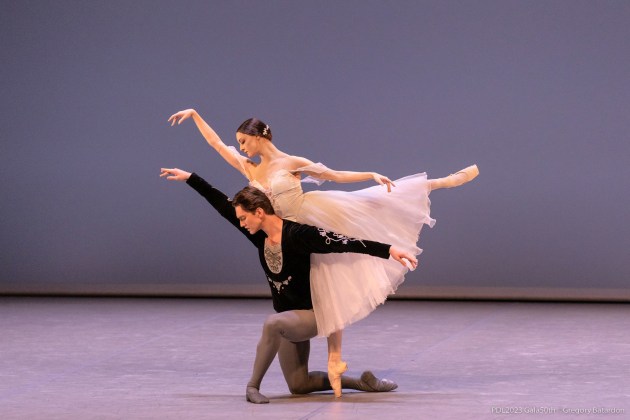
(469, 173)
(335, 369)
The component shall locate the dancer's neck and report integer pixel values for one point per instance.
(269, 152)
(272, 226)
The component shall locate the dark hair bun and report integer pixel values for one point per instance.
(255, 127)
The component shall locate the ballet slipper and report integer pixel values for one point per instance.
(469, 173)
(371, 383)
(253, 395)
(335, 369)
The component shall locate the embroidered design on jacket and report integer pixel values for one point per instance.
(273, 257)
(337, 237)
(279, 285)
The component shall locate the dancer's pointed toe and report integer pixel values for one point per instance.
(471, 172)
(462, 177)
(335, 369)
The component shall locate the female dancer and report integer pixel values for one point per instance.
(344, 287)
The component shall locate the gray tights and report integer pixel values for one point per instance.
(287, 334)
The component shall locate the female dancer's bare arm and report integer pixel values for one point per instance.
(344, 176)
(211, 137)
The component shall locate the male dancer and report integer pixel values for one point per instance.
(284, 249)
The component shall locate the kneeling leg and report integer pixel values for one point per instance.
(291, 326)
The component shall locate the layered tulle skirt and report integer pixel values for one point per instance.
(347, 287)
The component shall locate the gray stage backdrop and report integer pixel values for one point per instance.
(537, 93)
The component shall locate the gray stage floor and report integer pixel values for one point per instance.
(78, 358)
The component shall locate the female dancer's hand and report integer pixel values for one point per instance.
(383, 180)
(405, 258)
(175, 174)
(180, 116)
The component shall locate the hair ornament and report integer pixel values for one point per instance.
(265, 130)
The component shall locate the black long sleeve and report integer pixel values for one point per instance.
(316, 240)
(222, 204)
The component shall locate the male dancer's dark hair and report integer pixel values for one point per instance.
(251, 198)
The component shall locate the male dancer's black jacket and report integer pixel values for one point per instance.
(290, 288)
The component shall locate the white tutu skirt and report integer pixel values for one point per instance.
(347, 287)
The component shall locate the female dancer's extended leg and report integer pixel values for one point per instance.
(454, 180)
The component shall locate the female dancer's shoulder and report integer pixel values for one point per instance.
(293, 162)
